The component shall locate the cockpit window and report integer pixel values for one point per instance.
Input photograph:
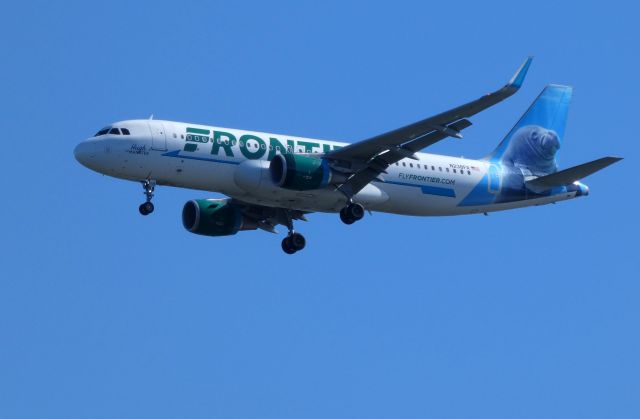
(103, 131)
(113, 130)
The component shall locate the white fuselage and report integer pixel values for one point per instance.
(235, 163)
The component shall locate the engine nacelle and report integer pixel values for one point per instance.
(301, 173)
(214, 217)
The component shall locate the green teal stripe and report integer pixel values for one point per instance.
(198, 131)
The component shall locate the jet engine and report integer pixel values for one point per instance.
(302, 173)
(214, 217)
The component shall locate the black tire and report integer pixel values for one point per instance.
(286, 246)
(355, 211)
(345, 217)
(297, 241)
(143, 209)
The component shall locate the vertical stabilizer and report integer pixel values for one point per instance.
(533, 142)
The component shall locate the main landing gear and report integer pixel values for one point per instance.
(294, 242)
(352, 213)
(148, 185)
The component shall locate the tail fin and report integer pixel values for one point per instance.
(533, 142)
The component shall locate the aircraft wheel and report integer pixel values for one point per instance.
(355, 211)
(344, 216)
(146, 208)
(287, 246)
(297, 241)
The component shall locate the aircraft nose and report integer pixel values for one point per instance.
(84, 153)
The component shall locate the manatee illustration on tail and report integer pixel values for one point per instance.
(533, 142)
(533, 148)
(524, 164)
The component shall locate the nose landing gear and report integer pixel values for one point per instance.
(149, 186)
(352, 213)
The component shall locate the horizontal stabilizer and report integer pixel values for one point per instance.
(568, 176)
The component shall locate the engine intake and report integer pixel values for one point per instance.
(300, 173)
(214, 217)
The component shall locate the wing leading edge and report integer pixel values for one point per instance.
(367, 159)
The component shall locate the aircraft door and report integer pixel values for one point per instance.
(158, 135)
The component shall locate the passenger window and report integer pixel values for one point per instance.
(115, 131)
(447, 169)
(433, 168)
(410, 164)
(440, 168)
(469, 172)
(125, 131)
(404, 164)
(454, 171)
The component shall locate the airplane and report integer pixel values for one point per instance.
(273, 179)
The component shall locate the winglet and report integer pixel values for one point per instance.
(518, 78)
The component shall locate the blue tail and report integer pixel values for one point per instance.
(533, 142)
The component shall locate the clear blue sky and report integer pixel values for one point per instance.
(104, 313)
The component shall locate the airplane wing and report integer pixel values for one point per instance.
(366, 160)
(268, 218)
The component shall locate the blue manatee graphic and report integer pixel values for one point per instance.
(533, 147)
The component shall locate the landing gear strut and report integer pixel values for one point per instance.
(148, 185)
(352, 213)
(294, 242)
